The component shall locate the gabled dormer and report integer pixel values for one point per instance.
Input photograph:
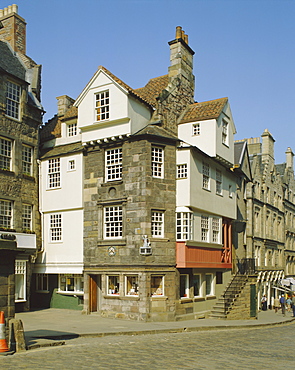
(209, 126)
(107, 106)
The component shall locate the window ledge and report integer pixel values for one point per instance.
(113, 296)
(208, 297)
(7, 172)
(207, 190)
(111, 242)
(130, 297)
(199, 299)
(20, 300)
(110, 183)
(159, 239)
(70, 293)
(29, 177)
(193, 243)
(185, 300)
(42, 291)
(159, 298)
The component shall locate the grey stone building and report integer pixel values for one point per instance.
(20, 117)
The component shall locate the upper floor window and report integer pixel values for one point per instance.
(13, 100)
(181, 171)
(205, 228)
(184, 225)
(158, 224)
(5, 154)
(196, 129)
(157, 162)
(224, 132)
(206, 176)
(215, 230)
(5, 214)
(54, 173)
(27, 217)
(55, 227)
(113, 164)
(218, 182)
(27, 157)
(113, 222)
(72, 129)
(102, 106)
(71, 165)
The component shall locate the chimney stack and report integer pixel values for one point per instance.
(267, 146)
(289, 158)
(13, 28)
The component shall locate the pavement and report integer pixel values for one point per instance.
(51, 327)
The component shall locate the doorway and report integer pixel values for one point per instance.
(94, 293)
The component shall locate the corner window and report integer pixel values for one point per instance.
(157, 285)
(13, 100)
(182, 171)
(70, 283)
(113, 285)
(196, 129)
(102, 108)
(27, 159)
(55, 227)
(206, 176)
(5, 154)
(184, 286)
(27, 217)
(131, 285)
(157, 224)
(72, 129)
(184, 225)
(5, 214)
(157, 162)
(54, 173)
(113, 159)
(113, 222)
(20, 280)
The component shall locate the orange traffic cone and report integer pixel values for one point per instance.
(3, 343)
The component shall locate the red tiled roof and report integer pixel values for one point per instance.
(153, 88)
(205, 110)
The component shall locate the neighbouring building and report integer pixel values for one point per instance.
(20, 118)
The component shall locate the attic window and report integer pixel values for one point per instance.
(102, 106)
(224, 132)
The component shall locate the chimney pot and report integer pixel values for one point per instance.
(178, 32)
(186, 38)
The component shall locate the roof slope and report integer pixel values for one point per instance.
(153, 89)
(205, 110)
(10, 63)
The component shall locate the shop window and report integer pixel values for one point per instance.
(131, 285)
(184, 285)
(157, 285)
(113, 285)
(70, 283)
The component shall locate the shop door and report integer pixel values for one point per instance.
(94, 293)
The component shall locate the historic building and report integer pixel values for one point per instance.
(20, 118)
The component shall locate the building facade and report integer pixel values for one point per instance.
(20, 118)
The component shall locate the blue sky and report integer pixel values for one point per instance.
(244, 50)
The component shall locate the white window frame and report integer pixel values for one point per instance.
(218, 178)
(196, 129)
(72, 129)
(184, 278)
(182, 171)
(113, 161)
(27, 212)
(20, 280)
(184, 225)
(102, 106)
(13, 98)
(224, 132)
(131, 285)
(113, 222)
(211, 293)
(6, 214)
(54, 173)
(157, 224)
(157, 288)
(204, 228)
(6, 147)
(199, 286)
(55, 227)
(230, 191)
(206, 176)
(113, 285)
(71, 165)
(27, 159)
(42, 282)
(66, 281)
(215, 229)
(157, 162)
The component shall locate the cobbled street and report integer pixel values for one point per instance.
(268, 348)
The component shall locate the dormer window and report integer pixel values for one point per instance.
(224, 132)
(72, 129)
(13, 100)
(102, 106)
(196, 129)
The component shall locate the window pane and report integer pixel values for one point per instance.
(5, 154)
(157, 285)
(113, 286)
(114, 164)
(5, 214)
(12, 100)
